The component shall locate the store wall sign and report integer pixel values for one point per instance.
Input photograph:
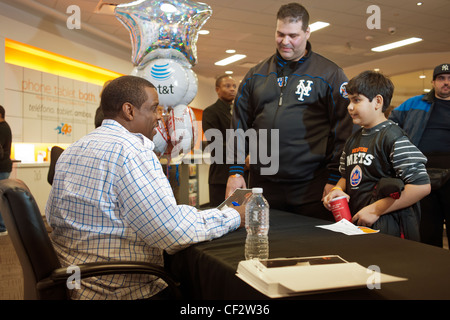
(46, 108)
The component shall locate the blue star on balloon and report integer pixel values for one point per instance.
(156, 25)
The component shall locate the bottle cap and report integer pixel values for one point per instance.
(257, 190)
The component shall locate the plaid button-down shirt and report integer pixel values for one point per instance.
(110, 200)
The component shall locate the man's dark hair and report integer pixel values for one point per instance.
(294, 12)
(370, 84)
(124, 89)
(98, 117)
(2, 112)
(219, 79)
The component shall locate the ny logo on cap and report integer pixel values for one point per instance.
(445, 67)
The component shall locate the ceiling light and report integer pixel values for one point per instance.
(204, 32)
(318, 25)
(422, 76)
(230, 51)
(230, 60)
(396, 44)
(24, 55)
(228, 72)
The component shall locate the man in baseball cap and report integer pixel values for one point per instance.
(441, 69)
(426, 119)
(441, 81)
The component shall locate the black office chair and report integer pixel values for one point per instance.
(44, 278)
(55, 152)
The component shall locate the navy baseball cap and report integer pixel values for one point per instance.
(440, 69)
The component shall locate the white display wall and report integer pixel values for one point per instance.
(46, 108)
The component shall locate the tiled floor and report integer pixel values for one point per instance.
(11, 279)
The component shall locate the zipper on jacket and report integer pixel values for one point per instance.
(285, 81)
(280, 101)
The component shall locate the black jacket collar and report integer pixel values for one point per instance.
(285, 67)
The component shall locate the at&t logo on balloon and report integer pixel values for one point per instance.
(162, 72)
(170, 79)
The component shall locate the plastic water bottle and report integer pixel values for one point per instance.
(257, 226)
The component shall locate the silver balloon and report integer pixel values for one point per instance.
(171, 54)
(166, 24)
(192, 89)
(183, 129)
(161, 139)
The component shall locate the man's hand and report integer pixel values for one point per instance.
(234, 182)
(241, 210)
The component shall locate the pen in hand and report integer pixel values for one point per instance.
(235, 204)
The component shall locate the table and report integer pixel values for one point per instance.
(207, 270)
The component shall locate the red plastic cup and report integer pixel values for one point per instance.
(340, 209)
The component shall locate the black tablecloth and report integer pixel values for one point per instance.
(208, 270)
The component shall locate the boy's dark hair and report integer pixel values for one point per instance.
(294, 12)
(370, 84)
(124, 89)
(2, 112)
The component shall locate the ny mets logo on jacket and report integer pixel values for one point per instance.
(303, 90)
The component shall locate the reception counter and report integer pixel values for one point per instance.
(34, 174)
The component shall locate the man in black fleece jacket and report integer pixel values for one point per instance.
(295, 104)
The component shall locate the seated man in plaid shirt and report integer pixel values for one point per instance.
(110, 199)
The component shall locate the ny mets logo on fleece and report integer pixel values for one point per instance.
(359, 156)
(343, 90)
(282, 81)
(303, 90)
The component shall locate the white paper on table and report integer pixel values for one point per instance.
(348, 228)
(291, 280)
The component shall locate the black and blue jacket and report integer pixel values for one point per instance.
(307, 102)
(413, 114)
